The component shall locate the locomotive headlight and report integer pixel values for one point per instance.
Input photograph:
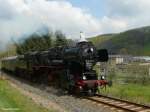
(89, 50)
(84, 77)
(92, 49)
(102, 77)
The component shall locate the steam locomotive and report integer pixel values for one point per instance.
(70, 68)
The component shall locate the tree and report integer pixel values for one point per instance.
(40, 42)
(35, 42)
(60, 39)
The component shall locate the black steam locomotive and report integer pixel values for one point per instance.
(70, 68)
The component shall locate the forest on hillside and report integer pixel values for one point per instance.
(131, 42)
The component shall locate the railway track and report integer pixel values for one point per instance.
(119, 104)
(116, 103)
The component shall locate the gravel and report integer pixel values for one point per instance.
(67, 103)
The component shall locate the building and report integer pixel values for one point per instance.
(120, 59)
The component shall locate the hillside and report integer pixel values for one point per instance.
(100, 39)
(135, 42)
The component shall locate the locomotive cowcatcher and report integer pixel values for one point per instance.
(69, 67)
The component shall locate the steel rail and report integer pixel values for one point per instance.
(119, 103)
(125, 101)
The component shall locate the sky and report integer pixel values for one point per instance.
(95, 7)
(93, 17)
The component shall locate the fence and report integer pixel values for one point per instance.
(127, 73)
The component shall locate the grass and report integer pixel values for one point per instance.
(130, 82)
(133, 92)
(10, 98)
(146, 49)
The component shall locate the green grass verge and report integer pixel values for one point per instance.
(11, 98)
(132, 92)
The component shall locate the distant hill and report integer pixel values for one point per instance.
(100, 39)
(135, 42)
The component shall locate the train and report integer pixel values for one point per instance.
(66, 67)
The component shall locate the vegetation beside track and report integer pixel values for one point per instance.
(130, 82)
(132, 92)
(13, 101)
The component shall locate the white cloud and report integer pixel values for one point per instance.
(23, 17)
(112, 25)
(26, 17)
(134, 13)
(130, 8)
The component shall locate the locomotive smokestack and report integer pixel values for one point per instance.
(82, 37)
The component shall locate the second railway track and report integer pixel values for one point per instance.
(119, 104)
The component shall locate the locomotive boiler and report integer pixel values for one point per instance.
(67, 67)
